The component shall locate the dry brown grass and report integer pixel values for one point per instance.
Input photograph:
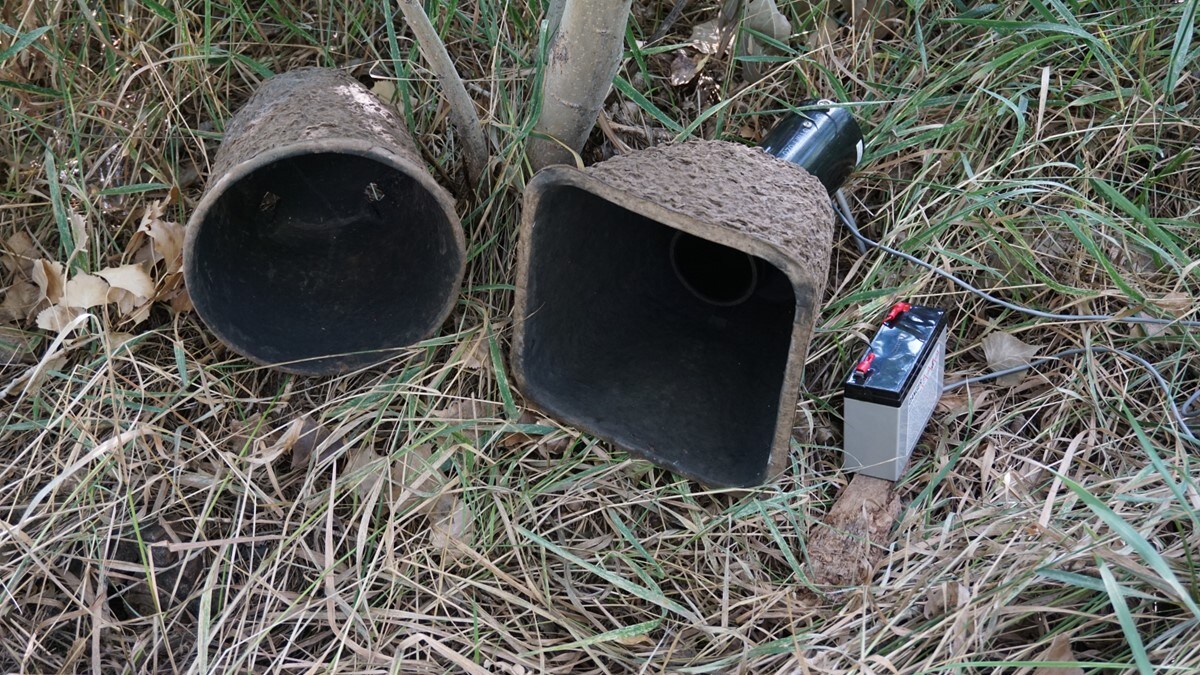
(1066, 506)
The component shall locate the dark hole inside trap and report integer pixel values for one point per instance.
(713, 272)
(323, 254)
(681, 361)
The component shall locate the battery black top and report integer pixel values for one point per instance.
(901, 348)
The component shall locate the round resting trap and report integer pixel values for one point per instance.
(321, 244)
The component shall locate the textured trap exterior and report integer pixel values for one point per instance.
(694, 365)
(321, 244)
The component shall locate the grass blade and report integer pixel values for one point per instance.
(625, 633)
(645, 104)
(22, 42)
(652, 595)
(1135, 540)
(1117, 596)
(1183, 42)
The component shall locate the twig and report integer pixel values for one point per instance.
(462, 108)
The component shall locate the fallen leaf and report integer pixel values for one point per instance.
(1151, 329)
(706, 37)
(130, 306)
(17, 346)
(872, 13)
(451, 525)
(115, 341)
(471, 411)
(20, 301)
(764, 17)
(1177, 303)
(311, 438)
(34, 376)
(166, 237)
(50, 279)
(1004, 351)
(147, 575)
(1059, 650)
(20, 253)
(684, 69)
(479, 356)
(132, 278)
(385, 90)
(85, 291)
(56, 318)
(824, 35)
(946, 598)
(415, 475)
(365, 466)
(467, 409)
(181, 301)
(516, 438)
(79, 232)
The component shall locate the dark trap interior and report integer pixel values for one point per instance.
(667, 344)
(324, 254)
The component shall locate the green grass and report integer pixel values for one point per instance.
(1047, 151)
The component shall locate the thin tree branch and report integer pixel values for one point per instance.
(462, 109)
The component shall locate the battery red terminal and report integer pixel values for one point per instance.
(864, 367)
(896, 310)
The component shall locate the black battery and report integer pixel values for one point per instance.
(890, 393)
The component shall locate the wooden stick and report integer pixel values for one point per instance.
(462, 108)
(844, 549)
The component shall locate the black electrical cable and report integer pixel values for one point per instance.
(1181, 412)
(1184, 415)
(843, 210)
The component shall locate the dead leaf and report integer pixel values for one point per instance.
(147, 575)
(166, 237)
(1060, 650)
(50, 279)
(34, 376)
(365, 466)
(824, 35)
(20, 252)
(385, 90)
(684, 69)
(114, 341)
(416, 474)
(181, 301)
(17, 346)
(764, 17)
(311, 438)
(467, 409)
(1151, 330)
(1004, 351)
(516, 438)
(131, 307)
(79, 232)
(706, 37)
(132, 278)
(85, 291)
(479, 356)
(872, 14)
(20, 301)
(471, 411)
(946, 598)
(56, 318)
(451, 525)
